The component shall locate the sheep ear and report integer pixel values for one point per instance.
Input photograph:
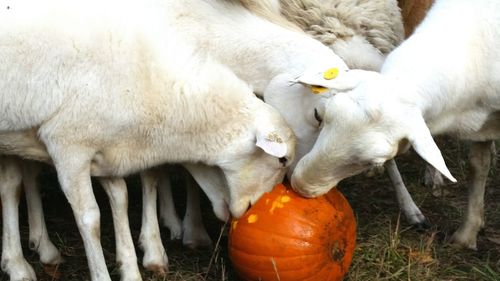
(341, 82)
(422, 142)
(272, 144)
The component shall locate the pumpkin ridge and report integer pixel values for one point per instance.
(286, 270)
(281, 257)
(310, 223)
(296, 238)
(299, 218)
(310, 250)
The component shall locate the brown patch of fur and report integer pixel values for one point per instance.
(413, 12)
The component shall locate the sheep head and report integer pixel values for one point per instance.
(362, 128)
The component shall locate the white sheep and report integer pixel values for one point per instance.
(233, 35)
(268, 56)
(112, 91)
(265, 55)
(361, 33)
(441, 80)
(346, 29)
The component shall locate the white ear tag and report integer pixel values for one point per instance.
(316, 78)
(338, 81)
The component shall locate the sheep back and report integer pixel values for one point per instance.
(379, 21)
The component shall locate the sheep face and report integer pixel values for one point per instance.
(256, 163)
(240, 182)
(249, 178)
(350, 142)
(301, 109)
(363, 128)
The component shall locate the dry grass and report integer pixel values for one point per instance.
(387, 249)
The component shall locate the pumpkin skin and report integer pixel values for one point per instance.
(294, 237)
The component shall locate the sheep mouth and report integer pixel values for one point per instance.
(238, 210)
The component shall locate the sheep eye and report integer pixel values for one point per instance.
(317, 116)
(283, 161)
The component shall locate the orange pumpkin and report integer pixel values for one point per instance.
(286, 237)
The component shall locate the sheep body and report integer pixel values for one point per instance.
(442, 80)
(98, 84)
(269, 57)
(360, 32)
(112, 91)
(255, 49)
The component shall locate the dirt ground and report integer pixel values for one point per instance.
(387, 247)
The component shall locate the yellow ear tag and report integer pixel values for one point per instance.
(331, 73)
(318, 89)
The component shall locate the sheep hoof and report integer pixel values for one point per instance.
(423, 226)
(156, 262)
(18, 269)
(196, 243)
(157, 269)
(461, 240)
(175, 227)
(195, 236)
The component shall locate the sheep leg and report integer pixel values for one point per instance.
(38, 235)
(480, 160)
(168, 215)
(126, 258)
(73, 172)
(410, 210)
(212, 181)
(155, 257)
(192, 230)
(13, 261)
(434, 179)
(195, 234)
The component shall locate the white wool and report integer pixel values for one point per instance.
(107, 89)
(444, 79)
